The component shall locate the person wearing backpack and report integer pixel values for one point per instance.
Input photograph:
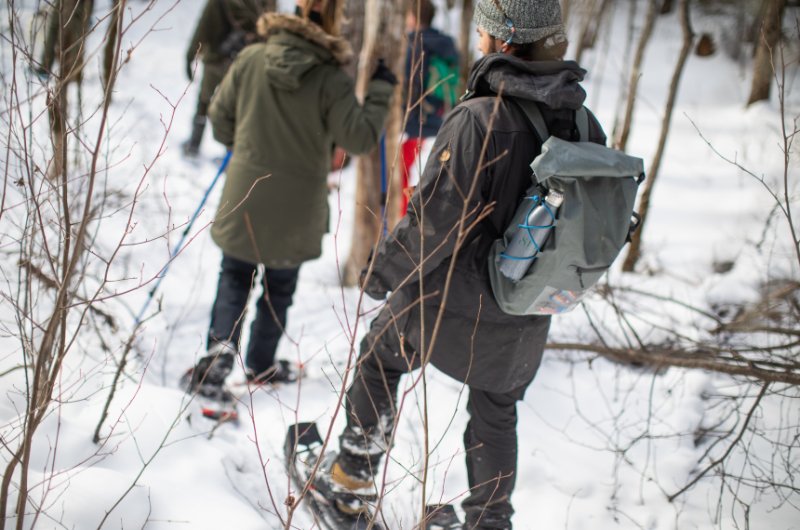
(281, 107)
(431, 79)
(433, 266)
(224, 28)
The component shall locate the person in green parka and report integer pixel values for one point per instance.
(281, 108)
(224, 28)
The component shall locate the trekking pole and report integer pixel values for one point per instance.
(177, 249)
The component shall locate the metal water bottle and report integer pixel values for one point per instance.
(534, 223)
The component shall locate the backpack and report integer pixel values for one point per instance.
(443, 81)
(589, 229)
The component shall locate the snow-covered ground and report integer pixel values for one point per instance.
(583, 461)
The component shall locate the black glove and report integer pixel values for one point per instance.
(375, 287)
(384, 74)
(190, 69)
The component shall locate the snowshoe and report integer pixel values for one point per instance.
(335, 507)
(206, 381)
(441, 517)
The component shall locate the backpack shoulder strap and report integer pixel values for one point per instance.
(582, 121)
(534, 115)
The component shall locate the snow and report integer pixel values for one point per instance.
(584, 462)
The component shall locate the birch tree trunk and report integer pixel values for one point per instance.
(634, 250)
(768, 37)
(383, 39)
(353, 31)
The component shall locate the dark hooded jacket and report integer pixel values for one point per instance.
(477, 172)
(426, 113)
(219, 20)
(282, 106)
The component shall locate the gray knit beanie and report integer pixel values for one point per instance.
(520, 21)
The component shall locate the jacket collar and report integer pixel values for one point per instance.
(554, 83)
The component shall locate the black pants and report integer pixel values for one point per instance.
(236, 280)
(490, 438)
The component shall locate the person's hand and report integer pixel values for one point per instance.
(41, 72)
(373, 286)
(383, 73)
(190, 69)
(339, 159)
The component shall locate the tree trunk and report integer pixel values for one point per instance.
(383, 38)
(585, 21)
(111, 38)
(353, 31)
(768, 38)
(591, 26)
(633, 84)
(634, 250)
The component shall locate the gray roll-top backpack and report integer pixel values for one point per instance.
(570, 226)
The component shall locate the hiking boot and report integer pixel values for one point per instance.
(280, 372)
(191, 147)
(207, 377)
(350, 494)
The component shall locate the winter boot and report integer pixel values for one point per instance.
(352, 493)
(191, 147)
(280, 372)
(348, 477)
(207, 377)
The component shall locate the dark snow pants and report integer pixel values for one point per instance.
(490, 438)
(236, 279)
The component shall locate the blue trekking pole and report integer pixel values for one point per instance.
(179, 246)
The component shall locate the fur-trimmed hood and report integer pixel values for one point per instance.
(271, 23)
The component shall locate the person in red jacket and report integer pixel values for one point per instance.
(430, 89)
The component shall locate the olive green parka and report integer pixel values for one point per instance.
(282, 106)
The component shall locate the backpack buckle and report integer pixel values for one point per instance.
(636, 220)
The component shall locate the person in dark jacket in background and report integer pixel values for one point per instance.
(281, 108)
(224, 28)
(431, 79)
(434, 263)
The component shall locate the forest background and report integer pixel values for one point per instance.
(668, 400)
